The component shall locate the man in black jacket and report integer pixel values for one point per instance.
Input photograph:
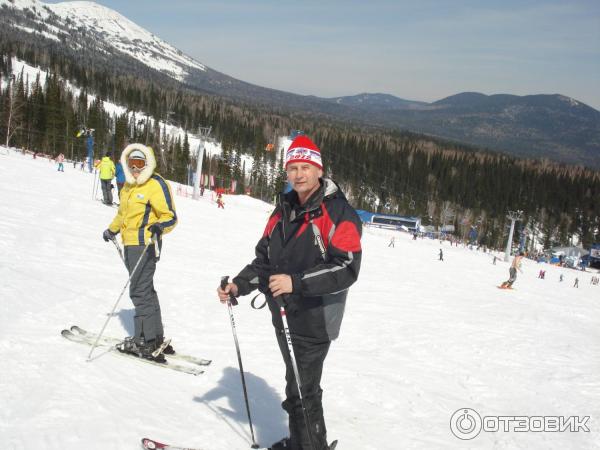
(308, 257)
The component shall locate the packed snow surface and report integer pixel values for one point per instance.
(421, 338)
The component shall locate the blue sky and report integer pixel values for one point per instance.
(418, 50)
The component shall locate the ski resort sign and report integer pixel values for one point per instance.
(466, 424)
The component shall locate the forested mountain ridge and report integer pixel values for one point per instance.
(534, 126)
(380, 169)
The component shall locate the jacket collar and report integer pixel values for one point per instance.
(292, 208)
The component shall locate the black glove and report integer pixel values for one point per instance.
(155, 230)
(108, 235)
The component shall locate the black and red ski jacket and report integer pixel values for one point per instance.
(318, 245)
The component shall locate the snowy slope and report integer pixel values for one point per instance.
(112, 30)
(421, 338)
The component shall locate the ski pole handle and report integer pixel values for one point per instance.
(224, 283)
(280, 301)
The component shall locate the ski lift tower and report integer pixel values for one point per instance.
(203, 132)
(513, 216)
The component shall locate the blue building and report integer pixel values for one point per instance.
(390, 221)
(594, 256)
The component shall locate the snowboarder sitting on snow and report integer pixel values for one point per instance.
(308, 257)
(146, 212)
(516, 265)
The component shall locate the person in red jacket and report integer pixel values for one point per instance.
(308, 257)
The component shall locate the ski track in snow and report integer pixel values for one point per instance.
(420, 339)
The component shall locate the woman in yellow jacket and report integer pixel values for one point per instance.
(146, 212)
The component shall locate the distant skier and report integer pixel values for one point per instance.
(441, 255)
(146, 212)
(60, 159)
(576, 285)
(107, 172)
(220, 203)
(392, 241)
(542, 274)
(516, 265)
(495, 258)
(561, 278)
(120, 176)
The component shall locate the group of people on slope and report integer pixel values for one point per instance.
(306, 260)
(108, 171)
(516, 265)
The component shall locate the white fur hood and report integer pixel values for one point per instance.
(150, 163)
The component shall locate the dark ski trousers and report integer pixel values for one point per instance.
(147, 319)
(513, 276)
(310, 357)
(107, 191)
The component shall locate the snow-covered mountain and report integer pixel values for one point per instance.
(109, 29)
(91, 35)
(102, 37)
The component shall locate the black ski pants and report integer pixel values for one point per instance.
(107, 196)
(310, 357)
(513, 276)
(147, 319)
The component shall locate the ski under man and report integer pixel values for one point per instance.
(308, 257)
(146, 212)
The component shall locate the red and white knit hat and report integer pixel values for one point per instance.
(303, 149)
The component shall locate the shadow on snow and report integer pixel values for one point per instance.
(268, 418)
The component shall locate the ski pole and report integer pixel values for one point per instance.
(118, 300)
(95, 189)
(288, 339)
(232, 301)
(114, 241)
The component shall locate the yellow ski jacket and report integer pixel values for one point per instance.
(107, 169)
(142, 205)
